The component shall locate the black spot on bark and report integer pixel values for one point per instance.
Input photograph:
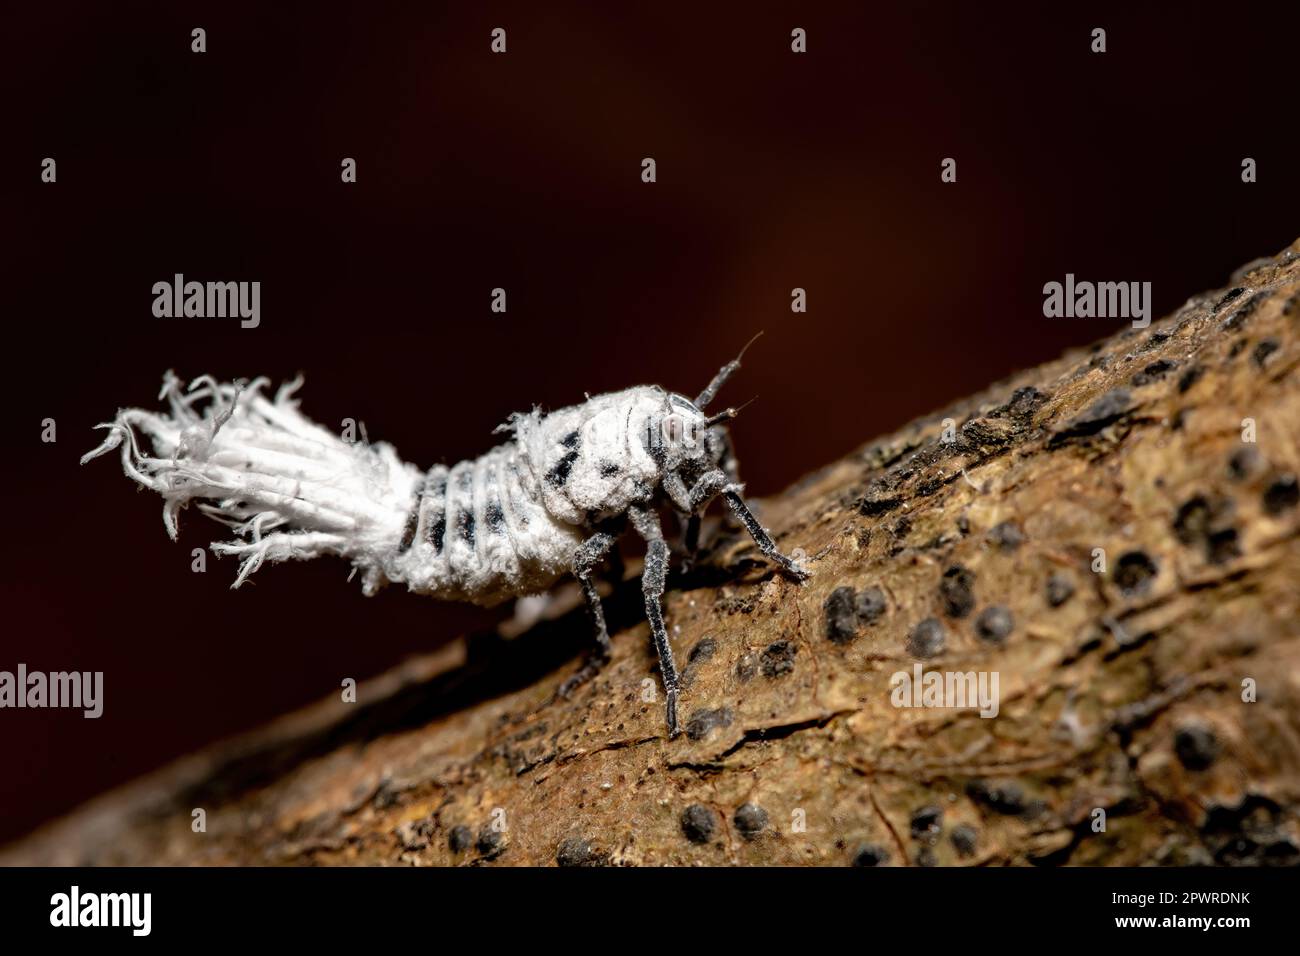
(1243, 463)
(1023, 403)
(1158, 337)
(1222, 545)
(1153, 373)
(750, 820)
(704, 722)
(927, 639)
(870, 605)
(575, 851)
(927, 823)
(871, 854)
(1004, 798)
(1192, 522)
(1107, 410)
(1205, 521)
(702, 652)
(964, 837)
(874, 508)
(956, 591)
(460, 839)
(1282, 495)
(777, 658)
(1133, 572)
(1244, 312)
(1060, 588)
(1263, 350)
(1228, 297)
(841, 616)
(1007, 535)
(1190, 377)
(699, 823)
(490, 843)
(1197, 747)
(994, 624)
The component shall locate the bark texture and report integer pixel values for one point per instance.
(1163, 690)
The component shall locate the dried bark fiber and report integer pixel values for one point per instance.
(1120, 690)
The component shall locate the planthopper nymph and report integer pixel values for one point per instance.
(550, 501)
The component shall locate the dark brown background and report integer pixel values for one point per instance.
(522, 171)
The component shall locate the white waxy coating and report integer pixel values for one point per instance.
(505, 524)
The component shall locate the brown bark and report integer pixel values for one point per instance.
(1120, 691)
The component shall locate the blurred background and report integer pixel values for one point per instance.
(522, 170)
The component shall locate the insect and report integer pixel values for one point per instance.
(550, 501)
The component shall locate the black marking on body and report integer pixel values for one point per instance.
(571, 440)
(495, 517)
(608, 469)
(436, 531)
(464, 499)
(412, 523)
(558, 475)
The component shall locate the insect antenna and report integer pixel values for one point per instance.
(724, 373)
(728, 413)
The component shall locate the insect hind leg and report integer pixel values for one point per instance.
(589, 554)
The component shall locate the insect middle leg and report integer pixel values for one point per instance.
(589, 554)
(647, 525)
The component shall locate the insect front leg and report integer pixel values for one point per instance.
(761, 537)
(692, 502)
(647, 525)
(589, 554)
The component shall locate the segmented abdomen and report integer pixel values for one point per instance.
(479, 533)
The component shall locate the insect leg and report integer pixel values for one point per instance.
(588, 555)
(691, 541)
(646, 523)
(761, 537)
(692, 502)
